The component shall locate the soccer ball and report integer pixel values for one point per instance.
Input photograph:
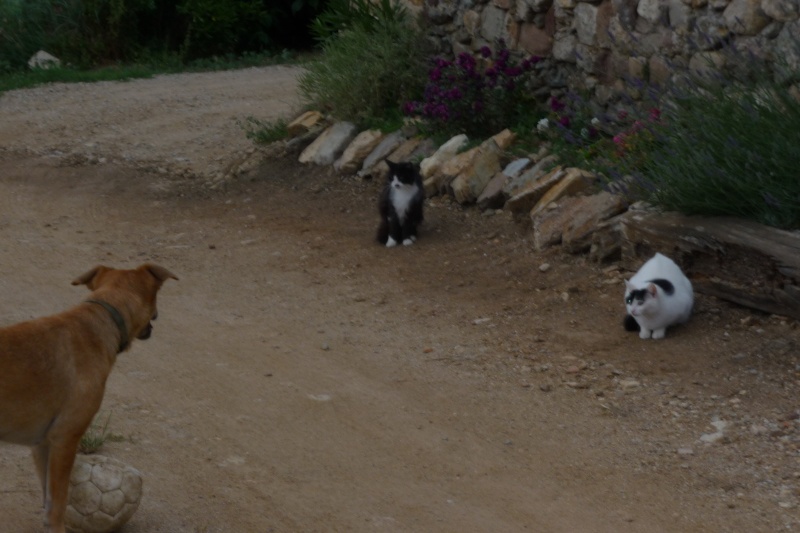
(103, 494)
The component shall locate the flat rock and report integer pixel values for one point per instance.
(430, 165)
(357, 151)
(471, 182)
(329, 145)
(523, 181)
(492, 196)
(43, 60)
(548, 226)
(504, 139)
(586, 215)
(387, 145)
(404, 152)
(526, 197)
(304, 123)
(574, 181)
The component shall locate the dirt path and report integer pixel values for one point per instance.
(302, 379)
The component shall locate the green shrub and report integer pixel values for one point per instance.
(365, 73)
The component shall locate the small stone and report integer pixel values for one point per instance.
(684, 452)
(628, 385)
(544, 267)
(545, 387)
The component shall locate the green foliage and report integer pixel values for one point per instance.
(20, 79)
(92, 33)
(366, 15)
(262, 132)
(364, 74)
(218, 27)
(96, 436)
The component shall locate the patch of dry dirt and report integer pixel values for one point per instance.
(302, 378)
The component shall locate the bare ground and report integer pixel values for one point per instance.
(303, 378)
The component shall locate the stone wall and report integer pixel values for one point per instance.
(601, 45)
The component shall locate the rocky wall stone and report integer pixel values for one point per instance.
(582, 42)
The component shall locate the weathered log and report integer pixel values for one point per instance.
(737, 260)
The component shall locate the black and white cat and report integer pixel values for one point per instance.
(400, 205)
(659, 295)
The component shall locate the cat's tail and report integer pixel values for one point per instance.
(383, 232)
(630, 323)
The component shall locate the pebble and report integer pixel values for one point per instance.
(628, 385)
(544, 267)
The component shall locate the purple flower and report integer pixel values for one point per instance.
(564, 121)
(556, 105)
(486, 51)
(435, 74)
(454, 94)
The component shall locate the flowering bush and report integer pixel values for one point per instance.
(613, 146)
(462, 97)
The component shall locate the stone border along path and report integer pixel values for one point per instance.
(564, 208)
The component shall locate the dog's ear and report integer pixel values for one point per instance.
(88, 278)
(159, 272)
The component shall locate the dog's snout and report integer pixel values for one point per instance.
(146, 332)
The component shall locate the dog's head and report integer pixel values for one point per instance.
(131, 292)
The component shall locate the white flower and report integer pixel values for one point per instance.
(595, 122)
(543, 125)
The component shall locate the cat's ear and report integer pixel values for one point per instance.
(629, 286)
(651, 288)
(391, 164)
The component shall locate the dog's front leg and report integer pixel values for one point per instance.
(40, 455)
(60, 461)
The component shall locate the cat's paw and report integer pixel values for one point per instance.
(391, 243)
(644, 333)
(413, 238)
(408, 242)
(659, 333)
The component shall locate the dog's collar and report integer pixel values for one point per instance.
(118, 320)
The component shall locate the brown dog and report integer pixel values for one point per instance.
(53, 371)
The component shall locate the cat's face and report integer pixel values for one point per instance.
(641, 302)
(402, 174)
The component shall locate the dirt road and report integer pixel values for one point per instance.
(301, 378)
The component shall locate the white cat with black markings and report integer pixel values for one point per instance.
(400, 205)
(658, 296)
